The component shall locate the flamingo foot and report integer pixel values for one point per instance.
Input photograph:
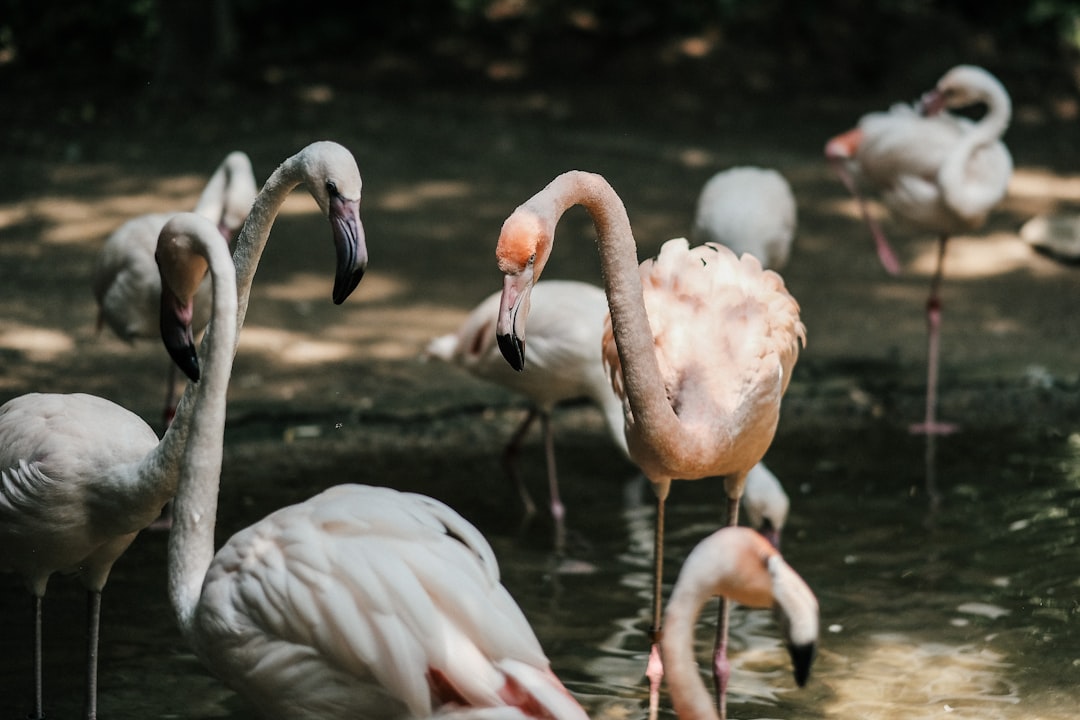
(655, 672)
(886, 254)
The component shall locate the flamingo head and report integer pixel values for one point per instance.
(182, 269)
(963, 86)
(796, 610)
(522, 252)
(334, 181)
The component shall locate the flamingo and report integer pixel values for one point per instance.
(564, 362)
(738, 564)
(938, 171)
(362, 601)
(700, 344)
(126, 284)
(369, 602)
(748, 209)
(81, 476)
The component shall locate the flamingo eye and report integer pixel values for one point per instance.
(331, 188)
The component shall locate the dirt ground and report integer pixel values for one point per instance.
(443, 166)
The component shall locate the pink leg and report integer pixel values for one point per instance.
(558, 511)
(93, 623)
(721, 666)
(655, 669)
(509, 460)
(884, 250)
(39, 708)
(930, 425)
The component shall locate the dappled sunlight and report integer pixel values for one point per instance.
(969, 257)
(925, 679)
(397, 333)
(413, 196)
(1044, 185)
(292, 348)
(37, 344)
(315, 287)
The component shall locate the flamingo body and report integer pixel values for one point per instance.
(748, 209)
(367, 602)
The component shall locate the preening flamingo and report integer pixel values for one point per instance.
(938, 171)
(126, 284)
(748, 209)
(564, 362)
(701, 346)
(80, 476)
(738, 564)
(362, 601)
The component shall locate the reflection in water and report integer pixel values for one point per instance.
(973, 617)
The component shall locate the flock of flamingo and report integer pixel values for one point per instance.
(366, 601)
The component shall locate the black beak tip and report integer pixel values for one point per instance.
(345, 284)
(802, 658)
(187, 360)
(513, 350)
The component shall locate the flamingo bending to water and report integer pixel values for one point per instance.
(126, 284)
(700, 345)
(938, 171)
(81, 476)
(369, 602)
(564, 362)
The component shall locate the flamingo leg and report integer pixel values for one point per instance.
(509, 460)
(721, 666)
(930, 425)
(93, 629)
(886, 254)
(558, 510)
(39, 708)
(654, 671)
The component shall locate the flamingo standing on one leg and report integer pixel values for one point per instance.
(126, 284)
(81, 476)
(701, 345)
(938, 171)
(564, 362)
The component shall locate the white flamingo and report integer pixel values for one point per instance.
(80, 476)
(748, 209)
(938, 171)
(563, 362)
(126, 284)
(701, 345)
(368, 602)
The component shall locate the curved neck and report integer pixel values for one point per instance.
(191, 540)
(653, 416)
(967, 194)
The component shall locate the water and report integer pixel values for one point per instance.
(970, 612)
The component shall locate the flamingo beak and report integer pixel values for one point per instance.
(802, 657)
(770, 533)
(350, 244)
(931, 103)
(176, 332)
(513, 312)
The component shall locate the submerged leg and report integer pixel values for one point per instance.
(93, 625)
(721, 666)
(558, 511)
(509, 460)
(930, 424)
(655, 669)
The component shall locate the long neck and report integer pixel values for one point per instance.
(191, 540)
(967, 192)
(644, 386)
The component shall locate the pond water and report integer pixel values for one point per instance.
(967, 612)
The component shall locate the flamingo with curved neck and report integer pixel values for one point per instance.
(738, 564)
(937, 171)
(701, 346)
(81, 476)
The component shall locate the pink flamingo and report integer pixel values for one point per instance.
(938, 171)
(369, 602)
(81, 476)
(700, 344)
(564, 362)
